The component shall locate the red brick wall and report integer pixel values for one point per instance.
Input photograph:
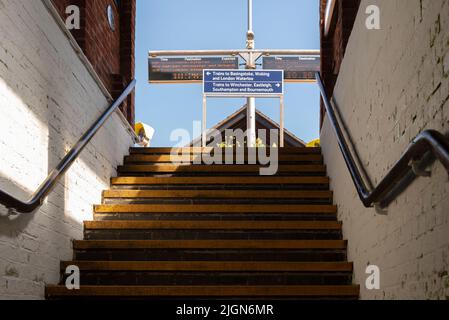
(111, 53)
(127, 50)
(102, 45)
(61, 5)
(333, 46)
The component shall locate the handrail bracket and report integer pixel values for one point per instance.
(415, 165)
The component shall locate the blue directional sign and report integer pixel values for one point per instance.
(243, 83)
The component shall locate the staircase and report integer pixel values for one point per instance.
(166, 230)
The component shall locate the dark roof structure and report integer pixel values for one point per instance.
(237, 120)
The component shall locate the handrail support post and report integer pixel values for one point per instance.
(12, 212)
(416, 168)
(380, 210)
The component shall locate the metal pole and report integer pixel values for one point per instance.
(250, 64)
(250, 15)
(204, 123)
(281, 133)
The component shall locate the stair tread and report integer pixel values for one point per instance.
(216, 225)
(214, 208)
(187, 158)
(245, 168)
(233, 206)
(210, 291)
(210, 180)
(209, 244)
(168, 150)
(265, 194)
(231, 266)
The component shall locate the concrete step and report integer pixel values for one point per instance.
(210, 292)
(213, 278)
(210, 266)
(214, 208)
(213, 196)
(213, 225)
(155, 151)
(292, 255)
(207, 244)
(222, 181)
(218, 194)
(212, 235)
(167, 158)
(113, 216)
(212, 230)
(218, 169)
(211, 273)
(211, 250)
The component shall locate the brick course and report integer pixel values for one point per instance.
(111, 53)
(333, 46)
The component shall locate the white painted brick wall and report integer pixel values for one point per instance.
(47, 100)
(393, 85)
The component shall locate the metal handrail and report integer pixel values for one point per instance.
(414, 158)
(37, 198)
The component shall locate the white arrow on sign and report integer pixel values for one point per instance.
(208, 73)
(278, 85)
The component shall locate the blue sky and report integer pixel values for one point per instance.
(214, 24)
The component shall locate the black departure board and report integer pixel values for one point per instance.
(300, 68)
(186, 69)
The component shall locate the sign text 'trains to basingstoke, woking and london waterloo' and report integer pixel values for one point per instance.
(243, 83)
